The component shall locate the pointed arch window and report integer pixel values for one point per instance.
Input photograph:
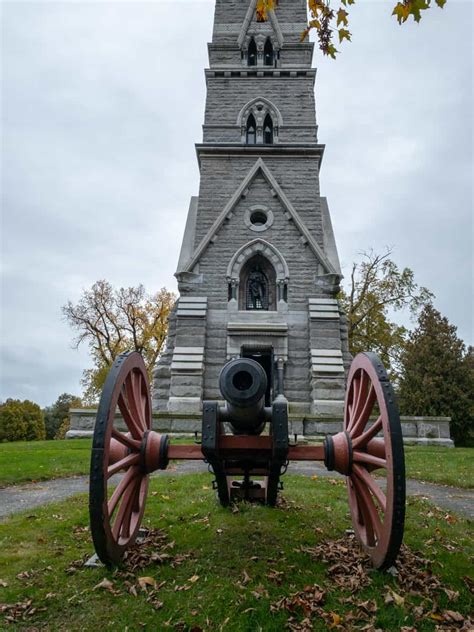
(268, 55)
(252, 53)
(268, 130)
(251, 130)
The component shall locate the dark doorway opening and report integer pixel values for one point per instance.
(264, 356)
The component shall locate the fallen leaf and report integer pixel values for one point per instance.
(336, 620)
(451, 594)
(450, 519)
(3, 583)
(436, 617)
(450, 615)
(106, 584)
(146, 581)
(393, 597)
(193, 579)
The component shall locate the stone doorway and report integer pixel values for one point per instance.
(264, 356)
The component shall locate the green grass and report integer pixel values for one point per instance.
(23, 461)
(447, 466)
(26, 461)
(237, 558)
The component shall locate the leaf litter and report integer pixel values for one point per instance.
(153, 549)
(350, 570)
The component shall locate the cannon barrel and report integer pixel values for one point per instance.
(243, 383)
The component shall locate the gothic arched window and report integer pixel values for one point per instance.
(268, 130)
(252, 53)
(268, 56)
(251, 130)
(257, 285)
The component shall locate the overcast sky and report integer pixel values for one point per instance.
(102, 103)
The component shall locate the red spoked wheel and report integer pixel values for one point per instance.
(377, 505)
(116, 508)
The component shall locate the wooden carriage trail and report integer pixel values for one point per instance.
(27, 496)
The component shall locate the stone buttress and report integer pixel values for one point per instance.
(258, 272)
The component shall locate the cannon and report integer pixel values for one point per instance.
(247, 448)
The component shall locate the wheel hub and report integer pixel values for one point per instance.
(338, 453)
(154, 451)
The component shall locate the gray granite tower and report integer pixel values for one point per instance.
(258, 271)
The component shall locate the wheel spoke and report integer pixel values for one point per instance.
(127, 461)
(120, 489)
(363, 457)
(364, 414)
(129, 418)
(372, 523)
(125, 508)
(364, 438)
(367, 479)
(136, 380)
(128, 441)
(133, 389)
(358, 398)
(356, 390)
(354, 502)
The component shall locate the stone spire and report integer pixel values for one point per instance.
(259, 217)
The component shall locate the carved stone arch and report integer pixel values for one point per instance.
(259, 107)
(262, 248)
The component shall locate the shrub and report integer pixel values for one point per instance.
(21, 421)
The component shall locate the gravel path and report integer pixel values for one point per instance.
(30, 495)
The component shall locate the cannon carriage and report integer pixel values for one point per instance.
(246, 445)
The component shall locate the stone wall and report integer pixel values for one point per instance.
(416, 430)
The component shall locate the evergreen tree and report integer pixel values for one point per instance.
(438, 374)
(55, 415)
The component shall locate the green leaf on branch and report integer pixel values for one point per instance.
(342, 17)
(315, 24)
(344, 34)
(416, 7)
(401, 11)
(331, 51)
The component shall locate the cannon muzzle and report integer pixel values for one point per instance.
(243, 383)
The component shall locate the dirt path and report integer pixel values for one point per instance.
(30, 495)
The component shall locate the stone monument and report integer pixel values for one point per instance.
(258, 272)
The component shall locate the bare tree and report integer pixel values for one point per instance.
(111, 321)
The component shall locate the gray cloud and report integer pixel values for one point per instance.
(102, 104)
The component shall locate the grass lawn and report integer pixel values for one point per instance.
(249, 569)
(448, 466)
(23, 461)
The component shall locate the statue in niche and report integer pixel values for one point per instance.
(257, 290)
